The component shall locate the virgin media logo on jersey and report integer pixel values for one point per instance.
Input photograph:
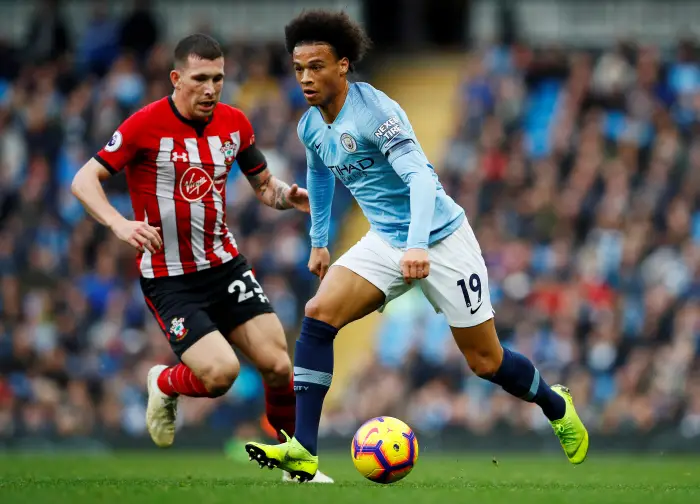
(195, 183)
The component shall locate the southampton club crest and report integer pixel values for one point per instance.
(348, 142)
(228, 149)
(178, 329)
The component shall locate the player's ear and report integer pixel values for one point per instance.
(344, 65)
(175, 78)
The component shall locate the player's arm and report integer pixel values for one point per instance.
(385, 130)
(387, 133)
(414, 170)
(270, 190)
(321, 183)
(87, 187)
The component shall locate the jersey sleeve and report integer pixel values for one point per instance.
(124, 145)
(250, 160)
(381, 124)
(320, 182)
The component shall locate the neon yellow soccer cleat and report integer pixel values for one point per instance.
(570, 430)
(290, 456)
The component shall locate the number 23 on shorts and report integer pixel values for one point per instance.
(244, 291)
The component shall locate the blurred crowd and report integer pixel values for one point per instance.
(76, 338)
(580, 172)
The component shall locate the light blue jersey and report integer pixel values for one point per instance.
(372, 149)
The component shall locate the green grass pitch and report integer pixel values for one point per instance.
(184, 478)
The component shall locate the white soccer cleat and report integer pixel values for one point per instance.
(161, 411)
(319, 477)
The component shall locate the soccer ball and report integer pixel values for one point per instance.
(384, 450)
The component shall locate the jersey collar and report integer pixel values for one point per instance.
(198, 126)
(342, 109)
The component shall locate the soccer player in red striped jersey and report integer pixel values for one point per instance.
(177, 153)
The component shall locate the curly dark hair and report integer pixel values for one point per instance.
(345, 36)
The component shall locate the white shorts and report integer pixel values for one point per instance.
(457, 286)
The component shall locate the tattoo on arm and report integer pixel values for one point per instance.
(270, 190)
(281, 202)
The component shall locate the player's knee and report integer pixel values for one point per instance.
(279, 377)
(312, 308)
(220, 374)
(315, 308)
(319, 309)
(278, 370)
(484, 365)
(281, 368)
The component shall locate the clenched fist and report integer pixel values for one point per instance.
(138, 234)
(415, 265)
(319, 262)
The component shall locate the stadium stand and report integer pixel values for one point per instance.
(579, 171)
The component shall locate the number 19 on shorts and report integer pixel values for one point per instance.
(473, 286)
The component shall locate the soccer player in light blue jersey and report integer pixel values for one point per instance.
(418, 235)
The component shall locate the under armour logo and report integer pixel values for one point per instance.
(180, 157)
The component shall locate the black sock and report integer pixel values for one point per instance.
(519, 377)
(313, 372)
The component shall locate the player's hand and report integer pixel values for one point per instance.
(415, 264)
(138, 234)
(298, 198)
(319, 262)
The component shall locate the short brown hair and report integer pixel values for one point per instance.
(198, 45)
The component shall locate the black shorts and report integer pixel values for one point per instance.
(188, 307)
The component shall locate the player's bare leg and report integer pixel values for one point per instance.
(263, 341)
(481, 347)
(519, 377)
(208, 369)
(343, 297)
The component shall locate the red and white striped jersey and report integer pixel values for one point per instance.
(176, 171)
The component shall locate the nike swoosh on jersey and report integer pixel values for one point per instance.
(474, 310)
